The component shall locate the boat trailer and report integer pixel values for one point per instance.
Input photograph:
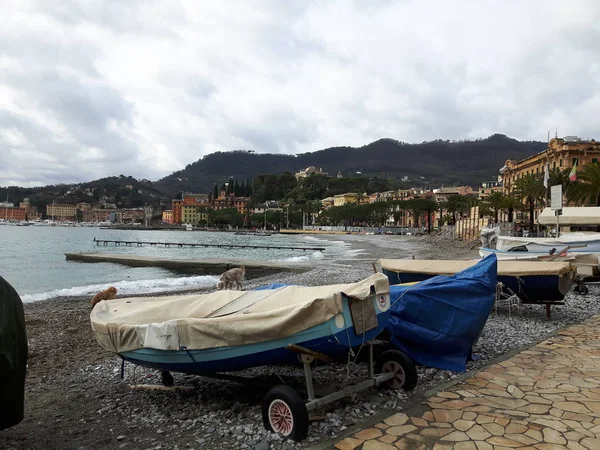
(285, 411)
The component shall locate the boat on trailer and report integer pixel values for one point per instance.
(532, 281)
(226, 331)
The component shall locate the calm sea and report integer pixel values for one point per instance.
(33, 260)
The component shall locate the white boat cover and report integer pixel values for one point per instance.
(221, 319)
(582, 259)
(450, 267)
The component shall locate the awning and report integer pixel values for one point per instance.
(572, 215)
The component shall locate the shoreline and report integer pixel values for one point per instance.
(75, 397)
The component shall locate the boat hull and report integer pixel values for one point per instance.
(544, 245)
(531, 289)
(332, 338)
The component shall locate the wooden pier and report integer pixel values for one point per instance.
(106, 242)
(205, 266)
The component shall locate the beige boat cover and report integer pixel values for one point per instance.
(223, 318)
(450, 267)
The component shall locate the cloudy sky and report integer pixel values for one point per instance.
(90, 88)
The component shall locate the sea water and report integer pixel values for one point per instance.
(33, 260)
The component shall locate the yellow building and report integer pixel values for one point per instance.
(193, 214)
(167, 216)
(562, 153)
(349, 197)
(327, 202)
(61, 212)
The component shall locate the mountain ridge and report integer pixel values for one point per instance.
(430, 163)
(468, 162)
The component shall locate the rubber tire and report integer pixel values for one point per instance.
(410, 370)
(167, 378)
(297, 406)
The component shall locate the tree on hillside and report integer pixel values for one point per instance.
(215, 191)
(530, 188)
(377, 184)
(314, 187)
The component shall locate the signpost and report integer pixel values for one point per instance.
(556, 204)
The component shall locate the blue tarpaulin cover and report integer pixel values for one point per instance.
(437, 321)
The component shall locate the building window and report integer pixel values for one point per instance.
(594, 160)
(575, 161)
(554, 165)
(537, 170)
(560, 163)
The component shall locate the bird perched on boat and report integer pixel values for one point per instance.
(107, 294)
(232, 276)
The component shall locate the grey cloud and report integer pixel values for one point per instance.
(95, 88)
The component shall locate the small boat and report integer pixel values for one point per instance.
(532, 281)
(229, 330)
(588, 243)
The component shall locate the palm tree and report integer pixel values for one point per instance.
(530, 188)
(455, 204)
(495, 201)
(511, 204)
(430, 206)
(587, 189)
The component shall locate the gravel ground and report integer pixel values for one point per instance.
(75, 398)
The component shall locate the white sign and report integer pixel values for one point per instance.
(556, 198)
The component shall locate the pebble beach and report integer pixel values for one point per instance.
(76, 398)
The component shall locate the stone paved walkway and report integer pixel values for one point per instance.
(544, 398)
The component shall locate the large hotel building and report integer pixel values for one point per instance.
(562, 153)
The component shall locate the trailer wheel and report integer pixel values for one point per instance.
(284, 412)
(402, 366)
(167, 378)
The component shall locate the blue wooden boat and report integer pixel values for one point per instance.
(233, 330)
(532, 281)
(333, 337)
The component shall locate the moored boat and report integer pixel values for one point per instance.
(532, 281)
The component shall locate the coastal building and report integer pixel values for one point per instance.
(225, 201)
(61, 212)
(561, 153)
(407, 194)
(31, 212)
(125, 215)
(442, 194)
(489, 187)
(327, 202)
(12, 213)
(95, 215)
(312, 170)
(194, 214)
(194, 205)
(84, 206)
(349, 197)
(167, 216)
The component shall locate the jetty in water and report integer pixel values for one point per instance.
(205, 266)
(117, 243)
